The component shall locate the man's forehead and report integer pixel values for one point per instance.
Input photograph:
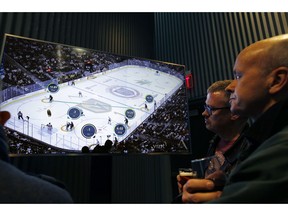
(248, 59)
(217, 95)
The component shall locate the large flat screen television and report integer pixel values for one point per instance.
(67, 99)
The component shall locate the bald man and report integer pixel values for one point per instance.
(259, 92)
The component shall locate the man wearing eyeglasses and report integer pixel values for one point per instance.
(228, 127)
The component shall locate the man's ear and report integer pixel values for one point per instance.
(279, 80)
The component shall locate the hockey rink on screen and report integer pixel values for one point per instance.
(100, 97)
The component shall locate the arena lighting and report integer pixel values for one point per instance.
(188, 81)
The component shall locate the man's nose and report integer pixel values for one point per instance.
(230, 88)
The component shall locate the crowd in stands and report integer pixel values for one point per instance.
(15, 76)
(175, 70)
(33, 61)
(163, 131)
(22, 144)
(45, 61)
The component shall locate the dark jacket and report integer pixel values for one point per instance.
(19, 187)
(262, 174)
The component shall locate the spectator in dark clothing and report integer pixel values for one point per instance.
(19, 187)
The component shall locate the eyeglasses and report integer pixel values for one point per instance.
(210, 109)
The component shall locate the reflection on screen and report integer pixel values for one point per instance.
(65, 99)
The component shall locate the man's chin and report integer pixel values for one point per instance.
(236, 111)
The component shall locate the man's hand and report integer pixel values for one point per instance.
(199, 191)
(203, 190)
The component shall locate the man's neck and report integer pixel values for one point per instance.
(225, 144)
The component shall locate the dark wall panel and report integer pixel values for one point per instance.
(207, 43)
(141, 179)
(105, 178)
(121, 33)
